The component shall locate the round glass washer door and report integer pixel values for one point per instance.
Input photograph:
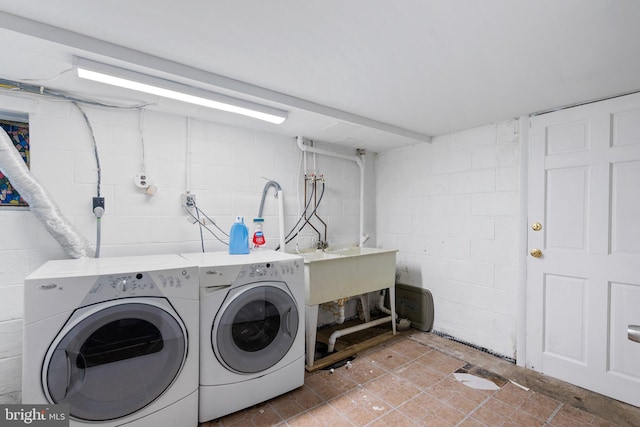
(255, 329)
(113, 359)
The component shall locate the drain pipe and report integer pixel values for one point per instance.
(280, 197)
(40, 202)
(359, 160)
(362, 326)
(381, 306)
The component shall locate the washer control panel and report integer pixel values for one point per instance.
(140, 284)
(222, 277)
(276, 271)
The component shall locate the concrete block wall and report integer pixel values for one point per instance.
(452, 210)
(227, 174)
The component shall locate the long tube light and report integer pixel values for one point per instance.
(133, 80)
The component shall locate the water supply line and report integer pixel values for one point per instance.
(280, 197)
(359, 160)
(323, 243)
(307, 220)
(40, 202)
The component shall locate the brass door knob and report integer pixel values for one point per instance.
(536, 253)
(536, 226)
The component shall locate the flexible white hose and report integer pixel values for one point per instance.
(40, 202)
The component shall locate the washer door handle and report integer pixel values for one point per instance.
(633, 333)
(61, 363)
(287, 322)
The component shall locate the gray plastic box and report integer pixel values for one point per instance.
(415, 304)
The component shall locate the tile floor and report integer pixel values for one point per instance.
(409, 381)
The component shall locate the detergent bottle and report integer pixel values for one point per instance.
(239, 237)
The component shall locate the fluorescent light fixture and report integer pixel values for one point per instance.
(133, 80)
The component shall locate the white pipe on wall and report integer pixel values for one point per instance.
(280, 196)
(358, 160)
(40, 202)
(361, 237)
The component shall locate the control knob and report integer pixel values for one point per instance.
(122, 284)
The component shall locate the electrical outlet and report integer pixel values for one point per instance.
(98, 206)
(142, 180)
(188, 199)
(98, 202)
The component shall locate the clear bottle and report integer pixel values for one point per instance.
(258, 235)
(239, 237)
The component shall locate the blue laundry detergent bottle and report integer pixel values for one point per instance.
(239, 237)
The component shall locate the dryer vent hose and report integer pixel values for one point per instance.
(42, 205)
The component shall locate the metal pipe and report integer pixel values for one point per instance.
(40, 202)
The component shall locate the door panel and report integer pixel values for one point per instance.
(566, 201)
(625, 354)
(584, 291)
(626, 128)
(567, 137)
(625, 209)
(565, 336)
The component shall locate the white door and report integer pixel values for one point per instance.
(583, 292)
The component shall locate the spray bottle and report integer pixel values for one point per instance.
(258, 236)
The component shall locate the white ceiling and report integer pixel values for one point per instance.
(412, 67)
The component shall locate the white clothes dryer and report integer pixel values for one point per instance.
(251, 328)
(116, 339)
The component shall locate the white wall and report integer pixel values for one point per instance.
(451, 209)
(226, 174)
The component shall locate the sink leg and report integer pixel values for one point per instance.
(311, 328)
(364, 299)
(392, 302)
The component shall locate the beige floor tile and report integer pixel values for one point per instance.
(393, 389)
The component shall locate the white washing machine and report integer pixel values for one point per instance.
(251, 328)
(116, 339)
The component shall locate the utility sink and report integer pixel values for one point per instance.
(338, 273)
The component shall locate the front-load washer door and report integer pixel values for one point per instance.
(115, 358)
(255, 328)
